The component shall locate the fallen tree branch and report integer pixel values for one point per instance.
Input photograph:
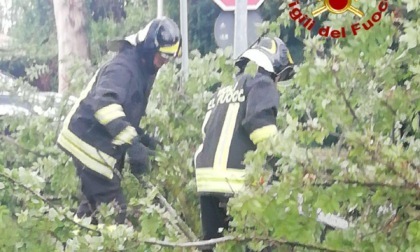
(346, 101)
(179, 223)
(13, 141)
(13, 181)
(407, 186)
(211, 243)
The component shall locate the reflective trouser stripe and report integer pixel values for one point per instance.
(91, 157)
(227, 181)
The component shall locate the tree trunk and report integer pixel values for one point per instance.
(73, 45)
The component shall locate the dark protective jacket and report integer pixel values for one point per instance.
(102, 124)
(238, 117)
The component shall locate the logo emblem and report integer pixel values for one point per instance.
(338, 7)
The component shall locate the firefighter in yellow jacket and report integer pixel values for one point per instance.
(238, 118)
(104, 125)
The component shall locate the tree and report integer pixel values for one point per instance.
(364, 90)
(70, 16)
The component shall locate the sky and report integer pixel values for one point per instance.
(4, 14)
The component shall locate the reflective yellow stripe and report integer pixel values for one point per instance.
(125, 136)
(228, 181)
(222, 150)
(87, 154)
(263, 133)
(273, 48)
(197, 152)
(170, 49)
(109, 113)
(92, 158)
(83, 95)
(290, 58)
(203, 127)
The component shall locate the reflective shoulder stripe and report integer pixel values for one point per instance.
(263, 133)
(290, 58)
(227, 181)
(94, 159)
(125, 136)
(203, 132)
(109, 113)
(83, 95)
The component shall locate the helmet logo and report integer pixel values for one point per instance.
(273, 47)
(290, 58)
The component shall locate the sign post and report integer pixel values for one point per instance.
(229, 5)
(184, 35)
(241, 28)
(240, 43)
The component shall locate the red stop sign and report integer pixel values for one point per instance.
(229, 5)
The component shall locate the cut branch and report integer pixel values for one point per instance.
(179, 223)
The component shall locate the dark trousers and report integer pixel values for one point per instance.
(97, 190)
(213, 216)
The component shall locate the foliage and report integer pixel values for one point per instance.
(363, 90)
(50, 173)
(201, 18)
(369, 92)
(35, 43)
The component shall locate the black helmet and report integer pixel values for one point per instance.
(160, 35)
(270, 54)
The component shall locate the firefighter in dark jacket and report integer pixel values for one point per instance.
(104, 124)
(238, 118)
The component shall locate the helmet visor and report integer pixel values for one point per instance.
(171, 50)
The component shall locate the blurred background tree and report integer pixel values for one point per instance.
(33, 30)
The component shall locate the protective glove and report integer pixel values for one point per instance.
(150, 142)
(271, 165)
(138, 157)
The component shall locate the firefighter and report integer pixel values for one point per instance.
(104, 124)
(238, 117)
